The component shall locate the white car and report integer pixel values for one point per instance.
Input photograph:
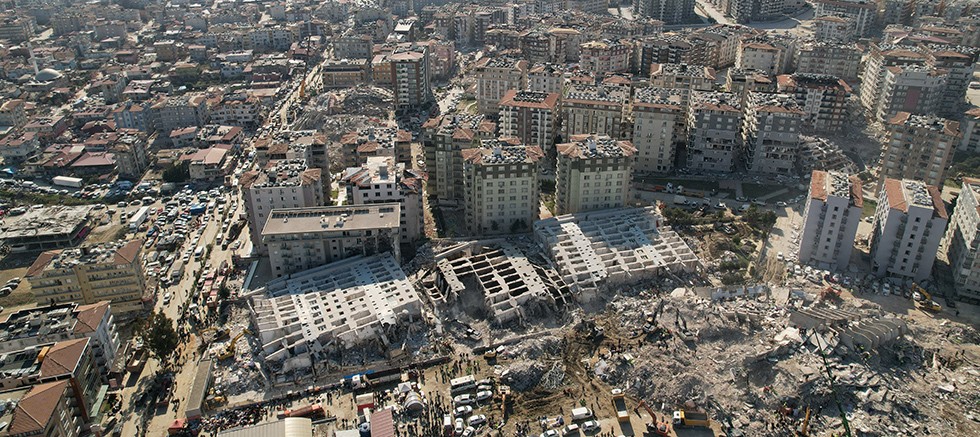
(484, 395)
(166, 298)
(463, 399)
(459, 426)
(590, 426)
(477, 420)
(469, 431)
(549, 433)
(463, 410)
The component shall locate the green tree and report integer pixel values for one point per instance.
(159, 335)
(760, 220)
(177, 172)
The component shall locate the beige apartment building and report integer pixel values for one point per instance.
(303, 238)
(287, 183)
(531, 116)
(683, 77)
(771, 134)
(593, 173)
(962, 241)
(106, 272)
(494, 77)
(444, 138)
(823, 98)
(836, 59)
(501, 183)
(918, 147)
(591, 109)
(659, 124)
(714, 140)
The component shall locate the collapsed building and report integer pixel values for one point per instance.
(307, 315)
(596, 251)
(514, 285)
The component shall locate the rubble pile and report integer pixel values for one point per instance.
(523, 375)
(242, 372)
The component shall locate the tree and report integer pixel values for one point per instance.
(759, 220)
(177, 172)
(159, 335)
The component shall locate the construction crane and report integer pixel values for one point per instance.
(230, 349)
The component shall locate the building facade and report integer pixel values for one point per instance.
(382, 180)
(822, 98)
(659, 126)
(771, 134)
(907, 229)
(962, 241)
(496, 76)
(918, 147)
(830, 220)
(531, 116)
(714, 141)
(594, 172)
(501, 184)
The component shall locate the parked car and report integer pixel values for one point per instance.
(477, 420)
(484, 395)
(463, 399)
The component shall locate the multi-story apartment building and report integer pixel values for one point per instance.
(823, 98)
(744, 81)
(133, 115)
(659, 126)
(684, 77)
(830, 220)
(64, 321)
(668, 11)
(830, 28)
(106, 272)
(593, 173)
(605, 56)
(501, 184)
(16, 29)
(962, 241)
(546, 78)
(907, 229)
(13, 113)
(50, 409)
(863, 13)
(237, 110)
(303, 238)
(916, 89)
(494, 77)
(132, 156)
(835, 59)
(918, 147)
(590, 109)
(879, 58)
(714, 140)
(357, 146)
(958, 62)
(382, 180)
(747, 11)
(444, 138)
(180, 111)
(287, 183)
(771, 133)
(410, 75)
(531, 116)
(970, 128)
(762, 56)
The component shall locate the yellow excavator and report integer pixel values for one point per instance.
(923, 300)
(230, 349)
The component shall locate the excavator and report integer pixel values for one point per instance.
(230, 350)
(923, 300)
(656, 428)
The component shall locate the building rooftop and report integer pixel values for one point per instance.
(901, 194)
(502, 62)
(35, 409)
(119, 252)
(809, 80)
(496, 152)
(682, 70)
(281, 173)
(594, 93)
(591, 146)
(50, 220)
(53, 319)
(715, 101)
(332, 219)
(654, 96)
(769, 102)
(930, 122)
(530, 99)
(831, 183)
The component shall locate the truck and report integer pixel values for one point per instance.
(138, 218)
(619, 402)
(67, 181)
(691, 419)
(680, 200)
(176, 271)
(581, 413)
(311, 410)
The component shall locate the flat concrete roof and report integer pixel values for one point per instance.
(332, 219)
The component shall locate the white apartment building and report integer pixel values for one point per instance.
(287, 183)
(304, 238)
(771, 133)
(714, 138)
(962, 241)
(836, 59)
(760, 56)
(591, 109)
(907, 229)
(382, 180)
(411, 78)
(833, 28)
(915, 89)
(659, 124)
(593, 173)
(830, 220)
(970, 128)
(682, 76)
(605, 56)
(501, 187)
(546, 78)
(494, 77)
(862, 12)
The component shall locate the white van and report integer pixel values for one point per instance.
(582, 413)
(198, 252)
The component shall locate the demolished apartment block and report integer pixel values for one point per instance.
(595, 251)
(332, 308)
(851, 329)
(512, 285)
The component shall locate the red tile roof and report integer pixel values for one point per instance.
(35, 410)
(63, 357)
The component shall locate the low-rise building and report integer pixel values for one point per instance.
(87, 275)
(382, 180)
(46, 228)
(594, 172)
(343, 73)
(210, 165)
(907, 229)
(303, 238)
(830, 220)
(918, 147)
(962, 241)
(500, 180)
